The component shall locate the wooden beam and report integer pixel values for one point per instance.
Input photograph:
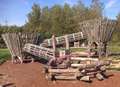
(97, 64)
(71, 70)
(65, 77)
(80, 58)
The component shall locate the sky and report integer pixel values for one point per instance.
(14, 12)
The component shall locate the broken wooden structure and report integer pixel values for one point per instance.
(65, 39)
(98, 33)
(38, 50)
(15, 43)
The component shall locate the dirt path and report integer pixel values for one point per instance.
(30, 75)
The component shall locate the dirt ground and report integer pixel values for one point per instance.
(31, 75)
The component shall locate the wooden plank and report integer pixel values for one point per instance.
(97, 64)
(65, 77)
(61, 40)
(82, 59)
(63, 70)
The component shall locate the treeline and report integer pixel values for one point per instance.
(60, 19)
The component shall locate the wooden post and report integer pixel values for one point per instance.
(67, 42)
(76, 44)
(54, 45)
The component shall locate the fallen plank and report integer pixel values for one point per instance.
(97, 64)
(66, 77)
(71, 70)
(80, 58)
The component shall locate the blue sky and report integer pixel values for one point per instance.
(15, 11)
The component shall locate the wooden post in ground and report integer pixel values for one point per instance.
(77, 44)
(54, 45)
(67, 42)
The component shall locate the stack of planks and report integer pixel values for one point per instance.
(15, 43)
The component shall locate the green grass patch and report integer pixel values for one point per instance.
(4, 55)
(114, 48)
(77, 49)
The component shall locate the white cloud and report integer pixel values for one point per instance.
(110, 4)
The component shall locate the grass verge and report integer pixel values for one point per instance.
(4, 55)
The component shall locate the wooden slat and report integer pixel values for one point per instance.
(80, 58)
(63, 70)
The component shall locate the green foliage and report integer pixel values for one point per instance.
(77, 49)
(116, 34)
(34, 20)
(60, 19)
(96, 9)
(114, 48)
(4, 55)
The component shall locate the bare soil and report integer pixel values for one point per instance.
(31, 75)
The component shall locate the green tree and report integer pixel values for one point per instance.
(67, 20)
(80, 13)
(34, 18)
(46, 22)
(56, 20)
(116, 33)
(96, 9)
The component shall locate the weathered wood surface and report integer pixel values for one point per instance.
(85, 78)
(97, 64)
(69, 70)
(39, 51)
(100, 31)
(16, 41)
(61, 40)
(99, 76)
(65, 77)
(82, 59)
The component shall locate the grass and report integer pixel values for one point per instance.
(4, 55)
(77, 49)
(114, 48)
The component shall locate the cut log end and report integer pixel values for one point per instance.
(99, 76)
(85, 78)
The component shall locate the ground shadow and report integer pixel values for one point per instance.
(9, 85)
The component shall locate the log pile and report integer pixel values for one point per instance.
(83, 72)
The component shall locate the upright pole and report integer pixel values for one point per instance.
(67, 42)
(54, 45)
